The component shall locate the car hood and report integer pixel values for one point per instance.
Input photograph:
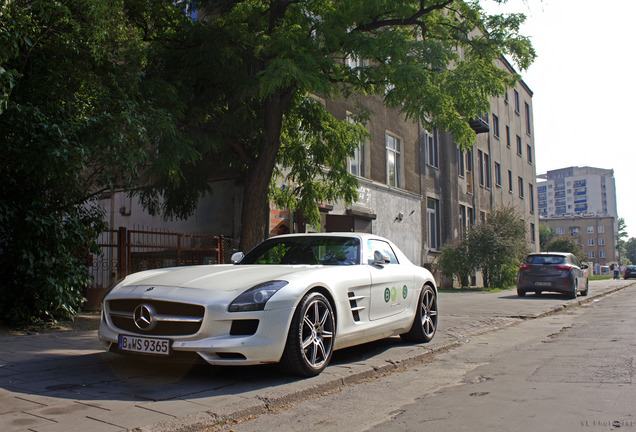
(219, 278)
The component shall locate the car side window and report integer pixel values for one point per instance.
(374, 245)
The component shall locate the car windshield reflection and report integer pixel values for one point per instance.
(311, 250)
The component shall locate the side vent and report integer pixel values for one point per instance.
(355, 309)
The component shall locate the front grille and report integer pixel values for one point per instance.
(172, 318)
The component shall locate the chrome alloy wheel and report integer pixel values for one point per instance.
(317, 333)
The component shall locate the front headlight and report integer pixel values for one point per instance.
(255, 298)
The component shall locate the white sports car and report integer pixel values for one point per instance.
(292, 300)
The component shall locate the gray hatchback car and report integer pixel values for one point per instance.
(560, 272)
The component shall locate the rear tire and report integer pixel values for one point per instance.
(311, 337)
(572, 295)
(587, 287)
(425, 322)
(521, 293)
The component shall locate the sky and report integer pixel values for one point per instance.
(584, 101)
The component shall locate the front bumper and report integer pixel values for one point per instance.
(214, 343)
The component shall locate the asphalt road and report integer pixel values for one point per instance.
(570, 371)
(61, 382)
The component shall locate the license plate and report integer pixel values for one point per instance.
(144, 345)
(543, 283)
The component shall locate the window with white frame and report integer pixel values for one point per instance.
(590, 229)
(590, 242)
(432, 213)
(393, 160)
(497, 174)
(590, 254)
(461, 162)
(601, 241)
(601, 229)
(559, 230)
(495, 126)
(356, 164)
(432, 151)
(601, 254)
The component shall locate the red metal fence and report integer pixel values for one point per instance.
(127, 251)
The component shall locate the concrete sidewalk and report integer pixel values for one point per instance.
(65, 381)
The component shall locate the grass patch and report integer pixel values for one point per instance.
(599, 277)
(477, 289)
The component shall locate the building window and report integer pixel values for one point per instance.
(483, 161)
(393, 163)
(469, 171)
(528, 125)
(495, 126)
(532, 234)
(590, 254)
(487, 171)
(590, 242)
(529, 153)
(356, 164)
(559, 230)
(601, 241)
(509, 181)
(507, 136)
(516, 101)
(432, 157)
(590, 229)
(601, 254)
(497, 174)
(461, 162)
(601, 229)
(531, 196)
(520, 184)
(432, 212)
(463, 224)
(519, 149)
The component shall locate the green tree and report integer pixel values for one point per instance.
(546, 234)
(565, 244)
(239, 81)
(630, 250)
(621, 234)
(496, 247)
(73, 124)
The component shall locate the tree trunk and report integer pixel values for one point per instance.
(255, 208)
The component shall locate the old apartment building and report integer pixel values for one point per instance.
(416, 186)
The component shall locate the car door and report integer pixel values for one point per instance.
(392, 284)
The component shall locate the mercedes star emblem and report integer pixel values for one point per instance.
(144, 317)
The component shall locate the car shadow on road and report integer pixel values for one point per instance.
(107, 376)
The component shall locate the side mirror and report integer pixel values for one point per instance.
(584, 266)
(380, 258)
(237, 257)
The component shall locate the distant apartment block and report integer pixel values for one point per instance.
(577, 191)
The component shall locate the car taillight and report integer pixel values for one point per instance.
(524, 266)
(564, 267)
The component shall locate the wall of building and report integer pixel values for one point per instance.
(594, 234)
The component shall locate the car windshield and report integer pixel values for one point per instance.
(545, 259)
(306, 250)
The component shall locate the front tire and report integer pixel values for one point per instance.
(587, 287)
(425, 322)
(311, 337)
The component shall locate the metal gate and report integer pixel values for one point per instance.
(127, 251)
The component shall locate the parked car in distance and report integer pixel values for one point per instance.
(291, 300)
(560, 272)
(630, 272)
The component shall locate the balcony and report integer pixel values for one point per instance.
(480, 124)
